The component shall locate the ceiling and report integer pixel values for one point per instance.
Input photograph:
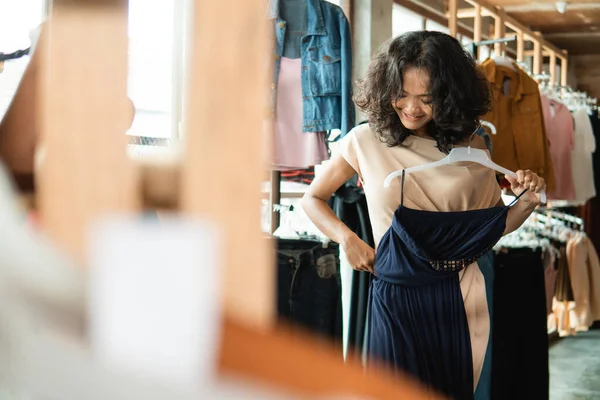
(577, 30)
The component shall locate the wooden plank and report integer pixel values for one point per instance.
(477, 26)
(226, 147)
(499, 33)
(520, 46)
(435, 15)
(309, 368)
(452, 19)
(564, 71)
(348, 10)
(513, 23)
(537, 55)
(84, 114)
(552, 68)
(464, 13)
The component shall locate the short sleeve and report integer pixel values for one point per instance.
(497, 190)
(349, 149)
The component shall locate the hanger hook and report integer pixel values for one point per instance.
(471, 138)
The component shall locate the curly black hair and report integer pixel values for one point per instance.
(460, 91)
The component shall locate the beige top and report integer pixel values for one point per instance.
(584, 271)
(455, 187)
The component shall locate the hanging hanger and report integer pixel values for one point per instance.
(458, 154)
(491, 126)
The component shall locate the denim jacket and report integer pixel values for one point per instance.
(326, 67)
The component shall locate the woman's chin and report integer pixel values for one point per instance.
(412, 125)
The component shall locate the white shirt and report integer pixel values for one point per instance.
(584, 146)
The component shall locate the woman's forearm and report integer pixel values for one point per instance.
(517, 214)
(325, 219)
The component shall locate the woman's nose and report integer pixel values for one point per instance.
(411, 105)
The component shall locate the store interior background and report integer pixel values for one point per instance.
(158, 62)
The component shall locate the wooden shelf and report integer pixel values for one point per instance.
(299, 364)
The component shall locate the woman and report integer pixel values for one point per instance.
(423, 95)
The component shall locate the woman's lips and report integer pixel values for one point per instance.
(412, 117)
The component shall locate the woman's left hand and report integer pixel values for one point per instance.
(527, 180)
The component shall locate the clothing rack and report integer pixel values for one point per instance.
(560, 216)
(503, 22)
(488, 42)
(494, 41)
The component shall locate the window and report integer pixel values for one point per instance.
(434, 26)
(17, 20)
(404, 20)
(156, 44)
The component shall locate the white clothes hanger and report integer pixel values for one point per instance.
(491, 126)
(458, 154)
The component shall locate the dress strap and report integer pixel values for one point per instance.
(517, 198)
(402, 188)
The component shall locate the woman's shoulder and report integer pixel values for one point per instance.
(363, 135)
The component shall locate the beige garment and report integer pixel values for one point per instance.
(581, 157)
(584, 270)
(456, 187)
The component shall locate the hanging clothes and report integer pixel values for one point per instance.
(550, 274)
(590, 212)
(309, 286)
(326, 62)
(349, 204)
(562, 317)
(561, 136)
(584, 272)
(294, 149)
(582, 162)
(373, 161)
(520, 141)
(520, 367)
(595, 123)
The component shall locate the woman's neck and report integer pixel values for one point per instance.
(422, 133)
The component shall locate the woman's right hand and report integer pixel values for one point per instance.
(360, 255)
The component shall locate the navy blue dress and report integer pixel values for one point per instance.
(418, 324)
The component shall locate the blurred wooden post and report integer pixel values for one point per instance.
(552, 68)
(84, 114)
(477, 29)
(538, 57)
(499, 33)
(453, 17)
(520, 46)
(225, 147)
(564, 69)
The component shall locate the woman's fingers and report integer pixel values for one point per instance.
(521, 176)
(541, 185)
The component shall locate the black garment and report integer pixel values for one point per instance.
(309, 286)
(596, 155)
(350, 205)
(563, 290)
(590, 212)
(520, 339)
